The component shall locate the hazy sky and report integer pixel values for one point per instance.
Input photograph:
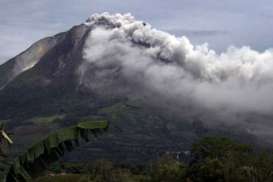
(220, 23)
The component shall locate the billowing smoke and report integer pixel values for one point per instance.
(238, 81)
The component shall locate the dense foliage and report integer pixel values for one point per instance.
(44, 152)
(211, 160)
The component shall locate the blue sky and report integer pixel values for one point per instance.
(220, 23)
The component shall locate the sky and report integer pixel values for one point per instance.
(219, 23)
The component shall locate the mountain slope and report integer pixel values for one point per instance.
(26, 59)
(49, 79)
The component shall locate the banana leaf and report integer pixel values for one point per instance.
(51, 148)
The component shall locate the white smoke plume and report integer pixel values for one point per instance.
(237, 81)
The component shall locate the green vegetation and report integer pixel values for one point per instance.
(64, 178)
(115, 110)
(220, 159)
(212, 160)
(98, 171)
(93, 125)
(36, 158)
(167, 169)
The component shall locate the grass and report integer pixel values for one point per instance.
(93, 124)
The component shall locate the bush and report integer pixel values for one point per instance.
(223, 160)
(167, 169)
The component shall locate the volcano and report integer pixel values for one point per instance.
(86, 73)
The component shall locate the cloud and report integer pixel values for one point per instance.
(196, 33)
(125, 51)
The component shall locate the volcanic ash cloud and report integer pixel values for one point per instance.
(239, 80)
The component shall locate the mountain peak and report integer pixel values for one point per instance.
(112, 20)
(45, 52)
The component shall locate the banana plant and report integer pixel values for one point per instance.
(49, 150)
